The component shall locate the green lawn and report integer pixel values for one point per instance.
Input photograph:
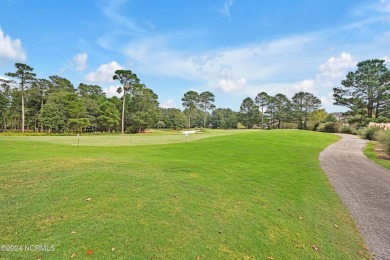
(250, 195)
(155, 137)
(369, 151)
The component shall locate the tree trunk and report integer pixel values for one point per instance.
(370, 107)
(41, 110)
(189, 122)
(22, 112)
(377, 109)
(204, 121)
(369, 111)
(4, 123)
(123, 113)
(262, 117)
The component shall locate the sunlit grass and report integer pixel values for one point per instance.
(370, 152)
(246, 196)
(150, 138)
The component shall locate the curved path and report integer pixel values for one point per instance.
(364, 188)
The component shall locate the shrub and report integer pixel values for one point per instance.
(384, 138)
(369, 133)
(288, 125)
(329, 127)
(240, 126)
(347, 129)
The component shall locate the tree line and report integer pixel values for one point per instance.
(55, 105)
(366, 93)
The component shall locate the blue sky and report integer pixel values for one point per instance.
(233, 48)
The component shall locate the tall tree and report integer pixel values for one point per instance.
(261, 100)
(5, 99)
(271, 110)
(190, 101)
(38, 96)
(173, 118)
(14, 109)
(54, 114)
(129, 80)
(224, 118)
(249, 112)
(303, 104)
(24, 78)
(282, 109)
(109, 116)
(368, 87)
(58, 84)
(144, 109)
(92, 96)
(206, 100)
(64, 111)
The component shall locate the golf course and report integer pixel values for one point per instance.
(239, 194)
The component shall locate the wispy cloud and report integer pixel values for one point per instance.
(111, 10)
(314, 61)
(226, 7)
(383, 6)
(170, 103)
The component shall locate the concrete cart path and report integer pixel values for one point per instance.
(364, 188)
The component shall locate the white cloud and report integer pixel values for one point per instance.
(11, 49)
(274, 66)
(334, 70)
(335, 67)
(226, 7)
(112, 91)
(227, 83)
(254, 62)
(104, 73)
(327, 100)
(80, 61)
(170, 103)
(302, 86)
(230, 85)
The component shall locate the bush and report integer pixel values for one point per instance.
(240, 126)
(347, 129)
(384, 138)
(369, 133)
(329, 127)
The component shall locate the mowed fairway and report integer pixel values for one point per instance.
(153, 138)
(250, 195)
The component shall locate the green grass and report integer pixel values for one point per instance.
(156, 137)
(369, 151)
(246, 196)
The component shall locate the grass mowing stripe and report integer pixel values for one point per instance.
(251, 195)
